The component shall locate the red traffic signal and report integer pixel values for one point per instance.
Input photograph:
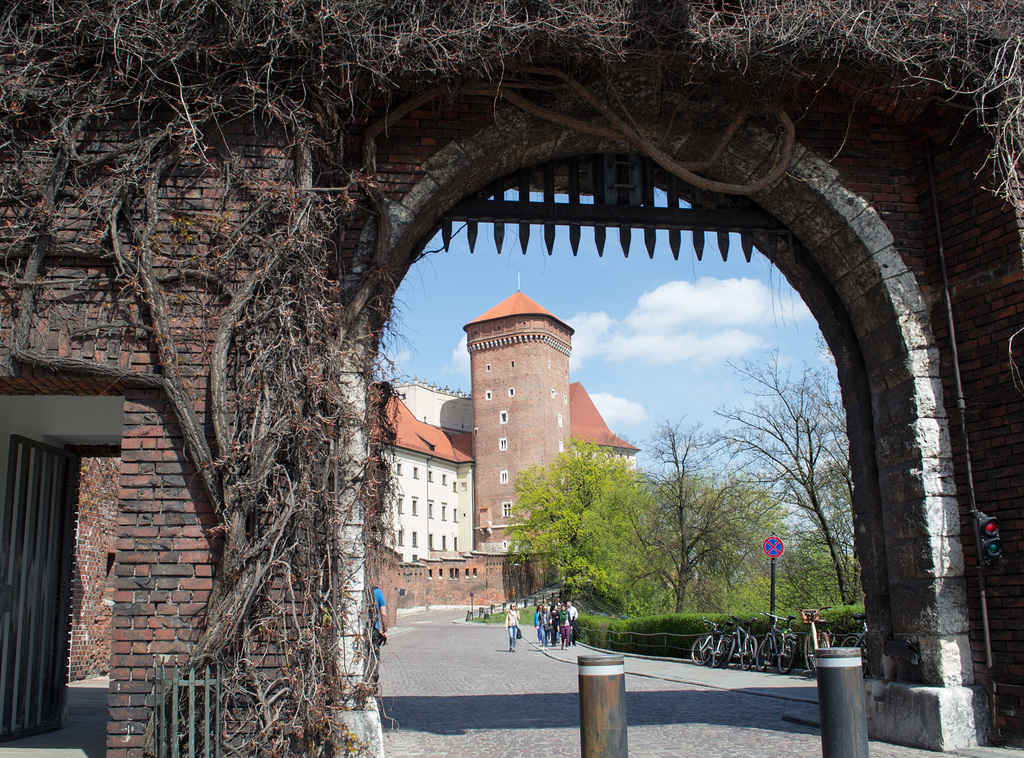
(990, 545)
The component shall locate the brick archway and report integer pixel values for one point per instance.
(876, 321)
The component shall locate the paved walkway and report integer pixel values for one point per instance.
(454, 691)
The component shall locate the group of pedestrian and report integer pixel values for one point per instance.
(557, 625)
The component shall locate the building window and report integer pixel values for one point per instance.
(415, 557)
(444, 541)
(474, 572)
(401, 505)
(488, 395)
(444, 512)
(430, 542)
(503, 416)
(549, 366)
(488, 367)
(552, 392)
(506, 510)
(414, 536)
(415, 507)
(430, 509)
(511, 391)
(398, 469)
(455, 486)
(565, 399)
(430, 573)
(559, 420)
(415, 472)
(561, 446)
(444, 479)
(503, 443)
(401, 537)
(503, 477)
(513, 364)
(464, 486)
(430, 475)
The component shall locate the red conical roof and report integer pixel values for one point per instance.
(517, 304)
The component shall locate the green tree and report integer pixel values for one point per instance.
(559, 509)
(699, 524)
(793, 435)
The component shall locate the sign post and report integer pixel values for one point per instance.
(773, 548)
(471, 604)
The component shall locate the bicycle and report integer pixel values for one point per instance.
(703, 647)
(857, 639)
(778, 645)
(721, 652)
(741, 645)
(816, 638)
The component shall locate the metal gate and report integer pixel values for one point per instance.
(36, 551)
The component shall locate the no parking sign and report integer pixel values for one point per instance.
(773, 547)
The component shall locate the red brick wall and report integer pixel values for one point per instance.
(94, 550)
(448, 581)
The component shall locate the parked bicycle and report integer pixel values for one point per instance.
(703, 648)
(740, 645)
(779, 645)
(816, 638)
(858, 639)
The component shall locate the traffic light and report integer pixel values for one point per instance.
(990, 545)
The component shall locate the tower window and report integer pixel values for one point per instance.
(504, 417)
(506, 510)
(511, 391)
(559, 419)
(503, 477)
(513, 364)
(503, 443)
(552, 392)
(488, 395)
(488, 367)
(561, 446)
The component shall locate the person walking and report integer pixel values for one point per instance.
(538, 621)
(549, 626)
(574, 624)
(563, 625)
(512, 626)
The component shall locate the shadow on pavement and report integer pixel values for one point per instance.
(460, 714)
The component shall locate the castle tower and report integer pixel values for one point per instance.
(519, 367)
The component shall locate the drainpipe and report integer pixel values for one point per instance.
(962, 407)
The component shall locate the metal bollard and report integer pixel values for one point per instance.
(844, 724)
(602, 706)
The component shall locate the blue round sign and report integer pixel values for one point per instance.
(773, 547)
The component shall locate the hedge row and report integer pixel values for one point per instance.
(672, 635)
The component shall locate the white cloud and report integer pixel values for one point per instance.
(618, 412)
(701, 323)
(459, 364)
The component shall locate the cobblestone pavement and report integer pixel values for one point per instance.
(454, 691)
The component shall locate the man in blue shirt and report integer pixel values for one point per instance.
(382, 617)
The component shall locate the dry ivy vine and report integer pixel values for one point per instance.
(114, 111)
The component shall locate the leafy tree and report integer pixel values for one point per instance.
(794, 435)
(698, 523)
(559, 508)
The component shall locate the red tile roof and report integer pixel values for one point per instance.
(587, 423)
(421, 437)
(517, 305)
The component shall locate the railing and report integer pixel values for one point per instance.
(188, 714)
(658, 644)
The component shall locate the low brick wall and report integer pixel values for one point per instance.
(449, 578)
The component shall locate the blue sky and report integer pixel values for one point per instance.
(653, 337)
